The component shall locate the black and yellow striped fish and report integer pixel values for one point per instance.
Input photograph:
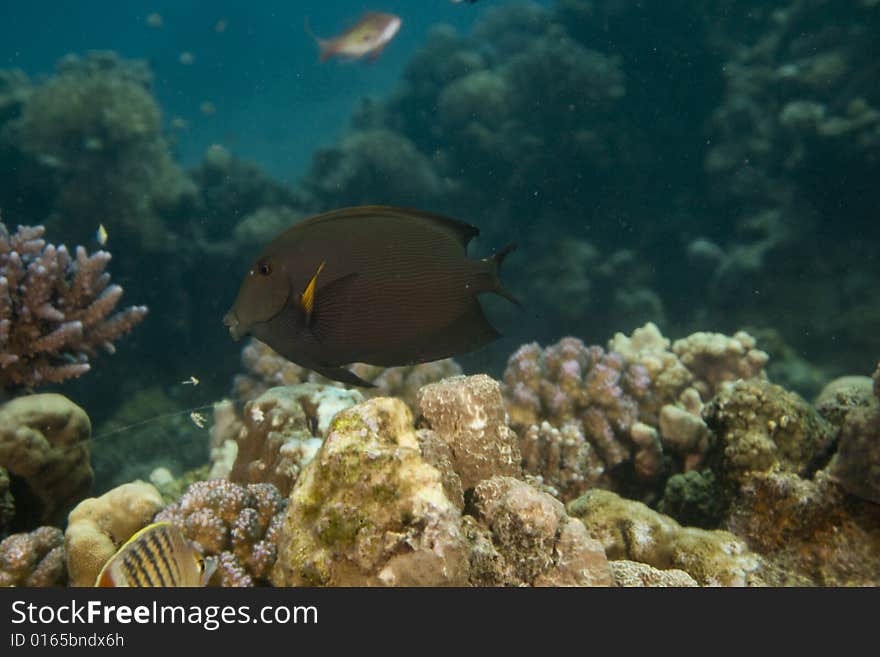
(157, 555)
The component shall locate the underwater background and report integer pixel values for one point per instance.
(669, 167)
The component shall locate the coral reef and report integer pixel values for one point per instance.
(760, 427)
(368, 509)
(856, 464)
(33, 559)
(468, 414)
(638, 405)
(530, 540)
(635, 574)
(808, 530)
(266, 369)
(7, 503)
(44, 449)
(55, 310)
(98, 526)
(94, 132)
(281, 431)
(841, 395)
(238, 524)
(629, 530)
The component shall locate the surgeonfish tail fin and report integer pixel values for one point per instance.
(495, 262)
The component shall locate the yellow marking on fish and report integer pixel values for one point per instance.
(198, 419)
(307, 301)
(101, 235)
(157, 555)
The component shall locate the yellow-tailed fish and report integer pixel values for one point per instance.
(101, 235)
(367, 38)
(157, 555)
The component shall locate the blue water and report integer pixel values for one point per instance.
(275, 102)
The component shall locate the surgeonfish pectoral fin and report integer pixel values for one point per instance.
(210, 568)
(307, 300)
(343, 376)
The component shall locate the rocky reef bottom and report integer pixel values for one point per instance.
(314, 486)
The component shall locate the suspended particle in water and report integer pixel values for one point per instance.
(187, 58)
(198, 419)
(155, 20)
(208, 108)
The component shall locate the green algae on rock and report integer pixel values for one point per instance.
(630, 530)
(760, 427)
(369, 510)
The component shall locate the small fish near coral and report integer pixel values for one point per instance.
(367, 38)
(372, 284)
(157, 555)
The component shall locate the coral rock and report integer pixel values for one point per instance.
(856, 465)
(635, 574)
(44, 443)
(809, 530)
(562, 458)
(468, 414)
(537, 542)
(630, 530)
(281, 431)
(34, 559)
(369, 510)
(842, 394)
(714, 358)
(759, 426)
(98, 526)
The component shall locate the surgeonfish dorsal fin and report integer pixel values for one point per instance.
(307, 300)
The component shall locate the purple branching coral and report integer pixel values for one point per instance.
(54, 309)
(581, 411)
(238, 524)
(590, 395)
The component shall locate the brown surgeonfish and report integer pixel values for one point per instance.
(373, 284)
(157, 555)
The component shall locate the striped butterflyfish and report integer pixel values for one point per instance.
(157, 555)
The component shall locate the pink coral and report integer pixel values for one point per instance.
(34, 559)
(592, 394)
(236, 523)
(54, 309)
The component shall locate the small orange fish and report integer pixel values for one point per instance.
(367, 38)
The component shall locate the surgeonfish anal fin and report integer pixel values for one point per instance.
(343, 376)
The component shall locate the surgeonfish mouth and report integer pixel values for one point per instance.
(159, 555)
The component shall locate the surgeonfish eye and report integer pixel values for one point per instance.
(264, 268)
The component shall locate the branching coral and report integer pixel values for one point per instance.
(236, 523)
(639, 403)
(34, 559)
(55, 310)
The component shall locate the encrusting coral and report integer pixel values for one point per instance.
(33, 559)
(238, 524)
(44, 445)
(55, 309)
(98, 526)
